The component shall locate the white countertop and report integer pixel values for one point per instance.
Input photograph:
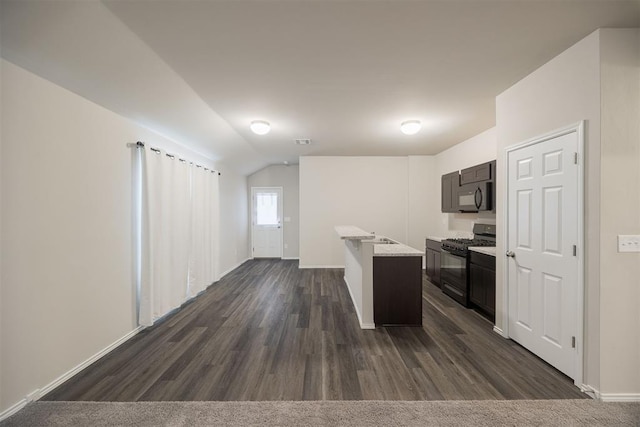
(487, 250)
(351, 232)
(395, 249)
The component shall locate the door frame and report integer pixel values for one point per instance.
(280, 209)
(578, 128)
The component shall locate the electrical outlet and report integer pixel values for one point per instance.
(628, 243)
(286, 246)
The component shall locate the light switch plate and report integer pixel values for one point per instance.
(287, 219)
(628, 243)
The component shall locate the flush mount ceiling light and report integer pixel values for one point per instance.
(260, 127)
(410, 127)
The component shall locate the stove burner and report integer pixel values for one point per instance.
(483, 235)
(482, 243)
(459, 240)
(465, 243)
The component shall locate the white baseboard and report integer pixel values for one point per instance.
(498, 331)
(609, 397)
(64, 377)
(233, 268)
(38, 393)
(619, 397)
(321, 266)
(590, 391)
(362, 325)
(34, 395)
(291, 257)
(13, 409)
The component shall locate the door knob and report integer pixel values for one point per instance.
(511, 254)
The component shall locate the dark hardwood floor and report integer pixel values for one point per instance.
(270, 331)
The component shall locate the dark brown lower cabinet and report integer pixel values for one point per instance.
(397, 291)
(482, 281)
(433, 261)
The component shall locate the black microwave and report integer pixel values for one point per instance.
(475, 197)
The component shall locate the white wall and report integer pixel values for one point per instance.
(476, 150)
(596, 80)
(561, 92)
(619, 211)
(354, 272)
(423, 204)
(66, 261)
(368, 192)
(1, 237)
(234, 217)
(287, 177)
(394, 196)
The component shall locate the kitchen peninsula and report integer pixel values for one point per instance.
(384, 278)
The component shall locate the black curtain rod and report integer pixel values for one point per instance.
(140, 144)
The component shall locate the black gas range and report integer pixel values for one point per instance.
(454, 261)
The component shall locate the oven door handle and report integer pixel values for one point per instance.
(454, 253)
(475, 197)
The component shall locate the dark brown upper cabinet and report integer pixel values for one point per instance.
(483, 172)
(450, 185)
(451, 182)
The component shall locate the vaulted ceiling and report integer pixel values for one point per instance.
(343, 73)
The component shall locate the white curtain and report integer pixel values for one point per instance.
(196, 260)
(215, 222)
(204, 220)
(177, 230)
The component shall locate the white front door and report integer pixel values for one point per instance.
(266, 232)
(542, 268)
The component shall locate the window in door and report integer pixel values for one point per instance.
(267, 209)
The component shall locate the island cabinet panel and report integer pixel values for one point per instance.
(397, 291)
(450, 185)
(482, 281)
(433, 261)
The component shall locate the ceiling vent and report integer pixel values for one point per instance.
(304, 141)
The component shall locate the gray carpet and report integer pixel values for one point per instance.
(330, 413)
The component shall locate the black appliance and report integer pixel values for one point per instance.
(475, 197)
(454, 261)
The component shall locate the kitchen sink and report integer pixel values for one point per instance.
(383, 241)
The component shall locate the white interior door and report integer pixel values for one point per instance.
(542, 268)
(266, 221)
